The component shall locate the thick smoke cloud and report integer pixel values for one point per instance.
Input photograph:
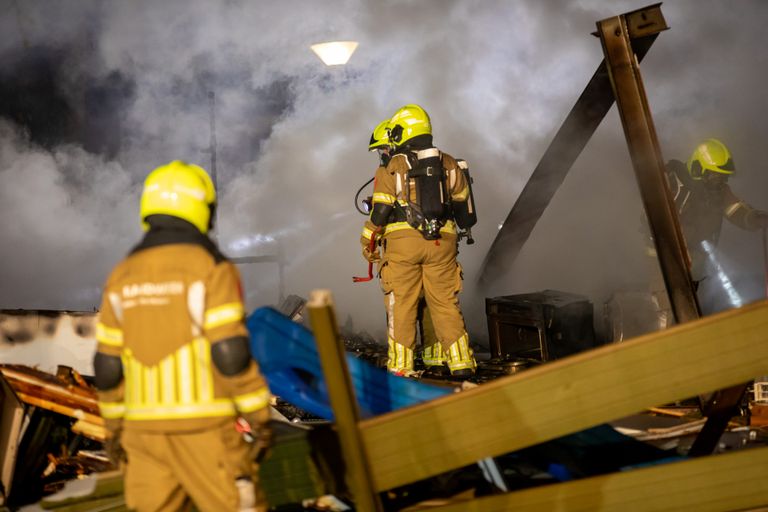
(95, 94)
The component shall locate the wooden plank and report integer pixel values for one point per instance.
(11, 418)
(330, 349)
(567, 396)
(61, 409)
(734, 481)
(90, 430)
(32, 382)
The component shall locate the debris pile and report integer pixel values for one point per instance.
(52, 432)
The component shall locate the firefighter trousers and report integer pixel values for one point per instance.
(171, 471)
(431, 350)
(411, 266)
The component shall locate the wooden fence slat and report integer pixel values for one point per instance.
(734, 481)
(567, 396)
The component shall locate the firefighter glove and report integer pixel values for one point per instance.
(369, 255)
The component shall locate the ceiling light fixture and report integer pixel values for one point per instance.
(335, 53)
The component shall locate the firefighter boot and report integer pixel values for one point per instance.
(461, 358)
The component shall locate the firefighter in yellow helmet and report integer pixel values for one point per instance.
(173, 367)
(432, 354)
(419, 199)
(703, 198)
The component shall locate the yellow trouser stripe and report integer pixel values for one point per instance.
(433, 354)
(224, 314)
(252, 401)
(109, 335)
(400, 357)
(111, 410)
(460, 355)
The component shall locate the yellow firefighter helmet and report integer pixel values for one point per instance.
(408, 122)
(179, 189)
(710, 156)
(380, 136)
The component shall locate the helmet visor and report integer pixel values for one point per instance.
(728, 166)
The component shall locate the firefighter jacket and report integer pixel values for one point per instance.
(701, 209)
(389, 199)
(164, 306)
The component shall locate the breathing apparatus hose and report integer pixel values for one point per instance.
(357, 207)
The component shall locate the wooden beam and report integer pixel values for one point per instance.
(346, 413)
(567, 396)
(61, 409)
(34, 383)
(734, 481)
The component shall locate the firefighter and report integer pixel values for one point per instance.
(173, 367)
(703, 198)
(432, 355)
(418, 200)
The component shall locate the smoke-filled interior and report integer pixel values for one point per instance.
(93, 95)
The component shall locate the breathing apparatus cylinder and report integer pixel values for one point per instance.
(429, 210)
(464, 213)
(466, 218)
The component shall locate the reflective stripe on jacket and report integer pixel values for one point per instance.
(164, 306)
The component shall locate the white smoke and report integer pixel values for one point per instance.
(497, 77)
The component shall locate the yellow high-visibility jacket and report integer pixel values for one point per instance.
(163, 308)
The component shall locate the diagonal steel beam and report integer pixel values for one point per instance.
(573, 135)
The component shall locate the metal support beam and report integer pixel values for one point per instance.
(342, 399)
(624, 71)
(640, 132)
(578, 127)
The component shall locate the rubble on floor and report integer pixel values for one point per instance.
(51, 435)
